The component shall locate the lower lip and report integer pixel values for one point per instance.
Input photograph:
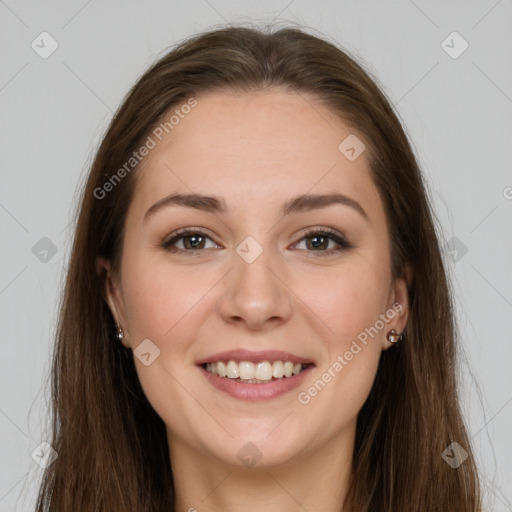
(255, 392)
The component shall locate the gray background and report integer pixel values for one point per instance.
(457, 112)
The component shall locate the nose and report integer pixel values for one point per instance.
(255, 294)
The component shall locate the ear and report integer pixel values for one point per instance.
(399, 303)
(112, 294)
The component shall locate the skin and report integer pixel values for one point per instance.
(256, 150)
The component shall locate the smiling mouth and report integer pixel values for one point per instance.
(247, 372)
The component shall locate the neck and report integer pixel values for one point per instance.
(312, 481)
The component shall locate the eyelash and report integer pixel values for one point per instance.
(343, 244)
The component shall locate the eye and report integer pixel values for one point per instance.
(324, 241)
(190, 240)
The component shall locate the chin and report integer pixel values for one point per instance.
(264, 451)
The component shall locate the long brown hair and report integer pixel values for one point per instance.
(112, 446)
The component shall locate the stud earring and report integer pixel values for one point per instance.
(393, 336)
(120, 333)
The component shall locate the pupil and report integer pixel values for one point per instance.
(315, 241)
(194, 240)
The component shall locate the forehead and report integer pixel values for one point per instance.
(253, 148)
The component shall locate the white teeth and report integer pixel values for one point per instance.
(277, 369)
(263, 371)
(232, 371)
(246, 369)
(249, 372)
(222, 369)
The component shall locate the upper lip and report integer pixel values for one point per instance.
(253, 356)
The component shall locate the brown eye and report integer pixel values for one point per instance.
(190, 240)
(325, 242)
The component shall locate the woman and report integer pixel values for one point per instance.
(256, 314)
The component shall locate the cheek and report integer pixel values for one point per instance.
(151, 305)
(162, 305)
(352, 311)
(351, 302)
(157, 296)
(166, 304)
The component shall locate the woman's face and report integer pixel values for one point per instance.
(257, 281)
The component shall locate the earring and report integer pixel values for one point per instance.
(393, 336)
(119, 334)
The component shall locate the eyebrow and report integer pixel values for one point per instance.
(215, 204)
